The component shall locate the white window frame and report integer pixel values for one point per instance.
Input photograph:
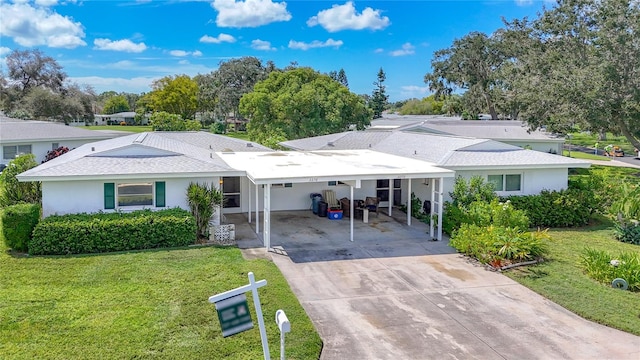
(16, 150)
(504, 190)
(135, 207)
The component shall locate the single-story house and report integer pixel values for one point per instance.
(507, 131)
(513, 170)
(152, 170)
(127, 117)
(39, 137)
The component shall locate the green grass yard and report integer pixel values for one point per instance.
(562, 280)
(590, 140)
(146, 304)
(581, 155)
(135, 129)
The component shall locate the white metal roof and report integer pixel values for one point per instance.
(329, 165)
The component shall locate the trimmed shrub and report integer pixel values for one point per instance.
(18, 222)
(604, 267)
(566, 208)
(106, 232)
(498, 245)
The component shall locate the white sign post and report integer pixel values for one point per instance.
(285, 327)
(233, 318)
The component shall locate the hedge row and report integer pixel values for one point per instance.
(566, 208)
(18, 222)
(105, 232)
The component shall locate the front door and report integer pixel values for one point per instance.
(231, 191)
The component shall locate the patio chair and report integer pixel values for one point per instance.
(330, 198)
(371, 203)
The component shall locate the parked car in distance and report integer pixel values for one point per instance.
(613, 151)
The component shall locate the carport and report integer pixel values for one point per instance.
(350, 167)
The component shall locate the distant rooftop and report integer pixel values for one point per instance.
(16, 130)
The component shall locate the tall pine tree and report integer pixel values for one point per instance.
(379, 97)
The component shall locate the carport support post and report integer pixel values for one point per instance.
(267, 216)
(391, 183)
(249, 211)
(409, 203)
(351, 209)
(257, 211)
(440, 206)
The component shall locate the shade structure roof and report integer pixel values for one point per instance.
(329, 165)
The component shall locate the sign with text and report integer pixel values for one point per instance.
(234, 316)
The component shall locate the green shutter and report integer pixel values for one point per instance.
(109, 195)
(160, 194)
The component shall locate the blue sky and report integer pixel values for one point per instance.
(125, 45)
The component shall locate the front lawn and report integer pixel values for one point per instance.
(130, 128)
(582, 155)
(562, 280)
(590, 140)
(143, 304)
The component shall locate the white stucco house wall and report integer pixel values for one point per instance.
(39, 137)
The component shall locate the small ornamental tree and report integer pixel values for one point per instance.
(203, 201)
(52, 154)
(15, 192)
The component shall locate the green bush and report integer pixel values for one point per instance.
(498, 245)
(18, 222)
(598, 266)
(106, 232)
(628, 232)
(566, 208)
(452, 218)
(15, 192)
(498, 214)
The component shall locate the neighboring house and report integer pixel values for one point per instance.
(39, 137)
(513, 170)
(506, 131)
(127, 117)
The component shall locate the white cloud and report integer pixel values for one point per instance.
(258, 44)
(249, 13)
(184, 62)
(46, 2)
(34, 26)
(314, 44)
(101, 84)
(523, 2)
(182, 53)
(4, 50)
(407, 49)
(217, 40)
(125, 45)
(345, 17)
(378, 50)
(413, 91)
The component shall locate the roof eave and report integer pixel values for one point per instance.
(518, 167)
(28, 178)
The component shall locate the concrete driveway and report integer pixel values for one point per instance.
(392, 294)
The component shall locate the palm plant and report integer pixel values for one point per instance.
(203, 201)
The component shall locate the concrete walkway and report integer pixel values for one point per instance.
(396, 295)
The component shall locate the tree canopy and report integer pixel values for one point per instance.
(300, 103)
(472, 63)
(116, 104)
(579, 66)
(164, 121)
(175, 95)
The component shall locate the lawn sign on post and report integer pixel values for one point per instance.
(233, 311)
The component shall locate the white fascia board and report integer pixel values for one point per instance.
(23, 141)
(22, 178)
(347, 178)
(521, 167)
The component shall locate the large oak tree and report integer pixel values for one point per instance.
(300, 103)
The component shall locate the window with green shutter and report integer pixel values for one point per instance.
(109, 196)
(160, 194)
